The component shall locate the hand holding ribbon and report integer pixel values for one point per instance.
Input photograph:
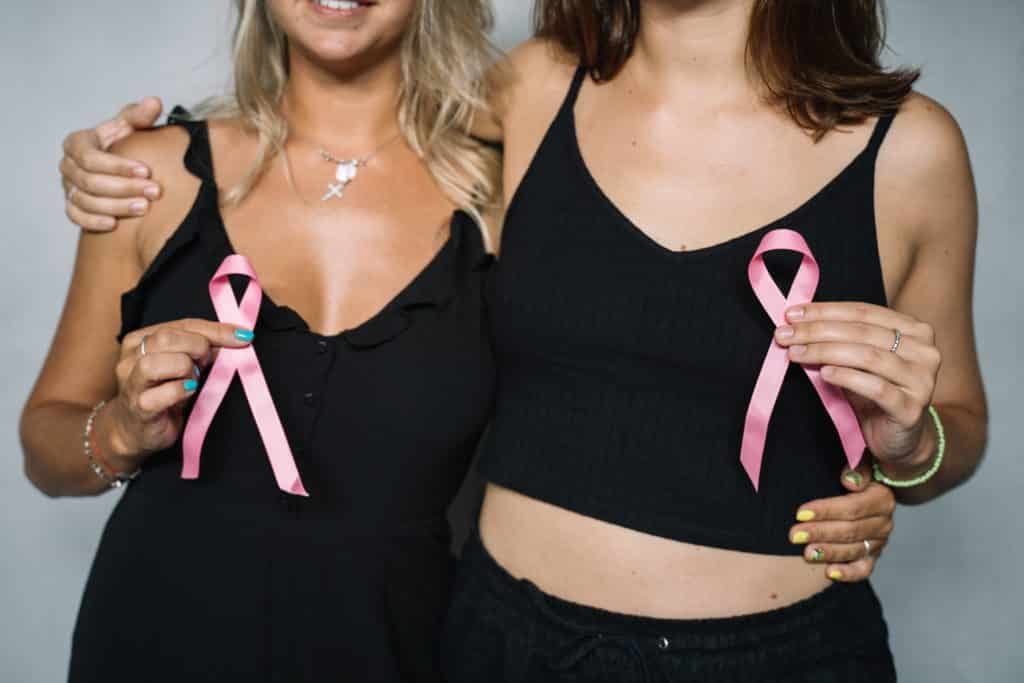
(244, 362)
(776, 362)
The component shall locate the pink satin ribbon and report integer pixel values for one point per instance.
(776, 362)
(244, 362)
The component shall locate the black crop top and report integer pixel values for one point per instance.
(625, 369)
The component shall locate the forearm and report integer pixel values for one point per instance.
(55, 459)
(966, 433)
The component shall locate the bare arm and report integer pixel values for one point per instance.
(927, 223)
(929, 188)
(86, 364)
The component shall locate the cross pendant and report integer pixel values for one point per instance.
(334, 190)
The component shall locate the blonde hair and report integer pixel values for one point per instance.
(446, 53)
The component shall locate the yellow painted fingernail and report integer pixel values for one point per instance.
(805, 515)
(835, 575)
(801, 537)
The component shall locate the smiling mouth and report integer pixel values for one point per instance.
(341, 6)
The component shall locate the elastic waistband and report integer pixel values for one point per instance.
(838, 606)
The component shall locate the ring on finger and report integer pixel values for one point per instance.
(71, 192)
(142, 345)
(867, 547)
(896, 341)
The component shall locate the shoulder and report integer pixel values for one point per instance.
(924, 167)
(925, 139)
(163, 151)
(535, 75)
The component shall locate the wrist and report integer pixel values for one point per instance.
(910, 479)
(920, 459)
(117, 448)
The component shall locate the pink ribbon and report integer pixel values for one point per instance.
(776, 362)
(244, 362)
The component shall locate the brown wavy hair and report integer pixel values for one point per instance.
(818, 58)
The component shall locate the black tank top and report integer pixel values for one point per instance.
(225, 577)
(625, 369)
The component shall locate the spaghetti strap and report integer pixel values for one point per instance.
(577, 83)
(878, 136)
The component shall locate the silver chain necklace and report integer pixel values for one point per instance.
(348, 169)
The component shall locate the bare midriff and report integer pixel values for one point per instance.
(591, 562)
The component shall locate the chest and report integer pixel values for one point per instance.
(691, 177)
(338, 249)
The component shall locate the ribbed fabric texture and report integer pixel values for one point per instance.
(625, 369)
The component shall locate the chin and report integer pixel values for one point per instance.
(336, 31)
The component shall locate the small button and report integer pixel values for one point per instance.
(309, 399)
(663, 643)
(321, 347)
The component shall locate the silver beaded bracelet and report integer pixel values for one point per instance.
(114, 479)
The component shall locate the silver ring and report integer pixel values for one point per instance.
(867, 547)
(71, 192)
(142, 345)
(896, 341)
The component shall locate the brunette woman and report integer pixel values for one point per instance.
(653, 149)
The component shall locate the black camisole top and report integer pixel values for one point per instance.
(625, 368)
(226, 578)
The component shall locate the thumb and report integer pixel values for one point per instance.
(857, 479)
(142, 115)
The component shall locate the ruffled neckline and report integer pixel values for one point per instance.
(435, 286)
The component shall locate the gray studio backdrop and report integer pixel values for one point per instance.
(951, 579)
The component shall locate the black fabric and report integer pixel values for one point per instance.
(504, 630)
(226, 578)
(625, 369)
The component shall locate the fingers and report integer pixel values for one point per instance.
(142, 115)
(85, 149)
(880, 362)
(874, 500)
(93, 205)
(214, 334)
(88, 221)
(158, 381)
(865, 334)
(108, 185)
(162, 397)
(841, 532)
(168, 339)
(842, 553)
(901, 406)
(859, 312)
(857, 479)
(851, 572)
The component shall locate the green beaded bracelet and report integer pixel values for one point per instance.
(936, 464)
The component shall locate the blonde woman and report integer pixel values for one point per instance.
(350, 187)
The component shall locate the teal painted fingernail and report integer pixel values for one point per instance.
(244, 335)
(817, 555)
(190, 385)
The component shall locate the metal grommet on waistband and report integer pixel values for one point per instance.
(663, 643)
